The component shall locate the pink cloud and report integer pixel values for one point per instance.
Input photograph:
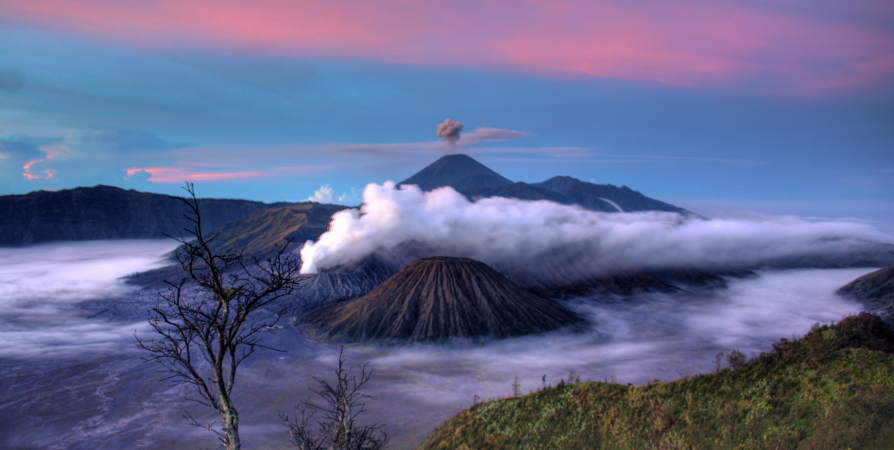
(30, 163)
(47, 174)
(187, 172)
(180, 174)
(683, 42)
(51, 152)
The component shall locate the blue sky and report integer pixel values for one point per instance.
(81, 109)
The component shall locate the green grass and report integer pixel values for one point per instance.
(832, 389)
(262, 231)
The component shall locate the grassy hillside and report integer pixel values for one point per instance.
(257, 235)
(260, 233)
(832, 389)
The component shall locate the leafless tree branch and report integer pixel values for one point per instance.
(205, 325)
(337, 429)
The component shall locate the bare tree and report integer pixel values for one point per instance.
(516, 387)
(207, 328)
(735, 359)
(718, 362)
(338, 428)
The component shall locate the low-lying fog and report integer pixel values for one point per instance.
(71, 381)
(40, 285)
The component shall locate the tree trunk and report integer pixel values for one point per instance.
(227, 411)
(231, 426)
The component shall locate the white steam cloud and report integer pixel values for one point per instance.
(499, 230)
(324, 194)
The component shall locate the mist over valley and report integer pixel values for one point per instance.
(99, 394)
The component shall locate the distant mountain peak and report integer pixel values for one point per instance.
(560, 183)
(562, 178)
(459, 171)
(605, 197)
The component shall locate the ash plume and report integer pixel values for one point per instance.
(449, 131)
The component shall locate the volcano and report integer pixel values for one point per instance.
(459, 171)
(438, 299)
(475, 180)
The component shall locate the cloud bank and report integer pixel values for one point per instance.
(801, 46)
(663, 336)
(500, 230)
(40, 285)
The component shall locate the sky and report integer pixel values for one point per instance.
(722, 107)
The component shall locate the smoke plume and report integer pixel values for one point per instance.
(449, 131)
(500, 231)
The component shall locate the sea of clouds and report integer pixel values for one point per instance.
(633, 339)
(41, 284)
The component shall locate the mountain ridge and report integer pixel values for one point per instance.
(475, 180)
(875, 290)
(107, 212)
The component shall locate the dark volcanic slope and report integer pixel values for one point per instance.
(474, 180)
(594, 196)
(460, 172)
(435, 299)
(875, 290)
(105, 212)
(520, 190)
(570, 191)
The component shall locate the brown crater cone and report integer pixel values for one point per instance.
(435, 299)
